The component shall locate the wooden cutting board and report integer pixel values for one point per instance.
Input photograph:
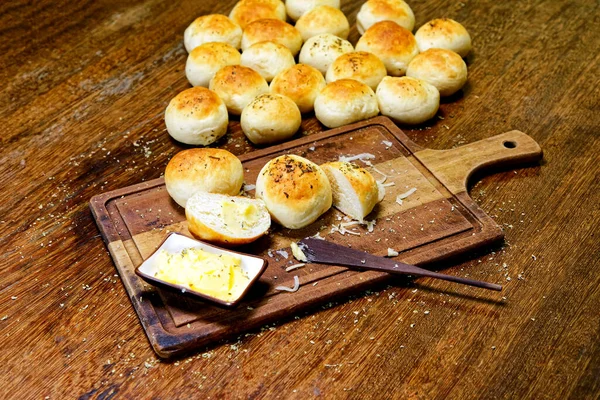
(437, 221)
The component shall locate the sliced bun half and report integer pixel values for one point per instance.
(355, 191)
(226, 220)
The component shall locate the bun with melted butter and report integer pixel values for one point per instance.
(226, 220)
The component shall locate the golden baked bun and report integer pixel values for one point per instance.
(295, 190)
(407, 100)
(359, 65)
(301, 83)
(323, 19)
(226, 220)
(444, 69)
(444, 33)
(203, 170)
(345, 101)
(373, 11)
(268, 59)
(355, 191)
(394, 45)
(205, 60)
(212, 28)
(237, 86)
(248, 11)
(322, 50)
(270, 118)
(196, 116)
(297, 8)
(272, 30)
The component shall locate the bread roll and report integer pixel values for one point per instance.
(270, 118)
(272, 30)
(393, 44)
(205, 60)
(248, 11)
(301, 83)
(237, 86)
(444, 33)
(322, 50)
(295, 190)
(212, 28)
(345, 101)
(297, 8)
(203, 170)
(355, 191)
(196, 116)
(359, 65)
(268, 59)
(374, 11)
(444, 69)
(407, 100)
(226, 220)
(323, 19)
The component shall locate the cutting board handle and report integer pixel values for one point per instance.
(453, 167)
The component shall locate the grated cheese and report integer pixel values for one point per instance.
(364, 157)
(295, 266)
(292, 289)
(283, 253)
(381, 173)
(370, 225)
(318, 236)
(404, 195)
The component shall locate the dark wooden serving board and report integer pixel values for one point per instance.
(437, 221)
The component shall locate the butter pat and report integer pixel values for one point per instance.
(240, 217)
(297, 252)
(216, 275)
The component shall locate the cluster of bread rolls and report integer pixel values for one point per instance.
(290, 190)
(298, 51)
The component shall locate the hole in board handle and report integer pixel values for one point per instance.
(509, 144)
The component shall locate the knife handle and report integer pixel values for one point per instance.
(406, 269)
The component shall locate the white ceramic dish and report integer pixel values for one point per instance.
(253, 266)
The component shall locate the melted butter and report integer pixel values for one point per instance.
(216, 275)
(240, 217)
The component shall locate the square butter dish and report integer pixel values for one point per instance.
(175, 243)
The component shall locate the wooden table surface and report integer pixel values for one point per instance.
(83, 89)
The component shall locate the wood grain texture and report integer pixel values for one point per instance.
(84, 86)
